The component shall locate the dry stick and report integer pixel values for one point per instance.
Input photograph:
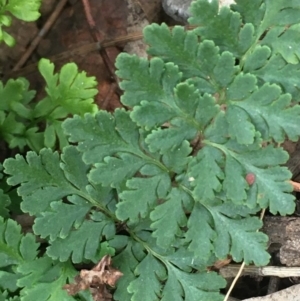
(88, 14)
(96, 36)
(108, 96)
(296, 186)
(142, 7)
(81, 50)
(241, 268)
(40, 35)
(231, 270)
(234, 281)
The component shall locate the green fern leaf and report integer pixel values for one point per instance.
(117, 134)
(251, 11)
(224, 27)
(284, 41)
(225, 233)
(200, 243)
(85, 241)
(22, 11)
(183, 286)
(177, 159)
(169, 218)
(42, 180)
(15, 96)
(180, 47)
(270, 179)
(59, 221)
(165, 140)
(149, 271)
(241, 235)
(69, 92)
(15, 249)
(44, 279)
(4, 203)
(176, 267)
(147, 191)
(127, 261)
(257, 59)
(144, 78)
(266, 109)
(208, 160)
(184, 104)
(64, 223)
(272, 14)
(108, 138)
(15, 111)
(4, 296)
(123, 168)
(276, 70)
(201, 63)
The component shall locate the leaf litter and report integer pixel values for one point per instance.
(98, 280)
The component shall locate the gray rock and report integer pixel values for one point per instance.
(177, 9)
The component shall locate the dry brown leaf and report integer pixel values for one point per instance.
(222, 263)
(96, 280)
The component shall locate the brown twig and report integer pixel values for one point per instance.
(83, 50)
(231, 270)
(108, 96)
(88, 14)
(40, 35)
(97, 38)
(296, 186)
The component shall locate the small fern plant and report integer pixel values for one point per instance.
(174, 183)
(23, 10)
(25, 122)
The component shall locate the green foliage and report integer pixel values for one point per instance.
(15, 250)
(43, 278)
(24, 10)
(177, 181)
(65, 224)
(21, 118)
(5, 200)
